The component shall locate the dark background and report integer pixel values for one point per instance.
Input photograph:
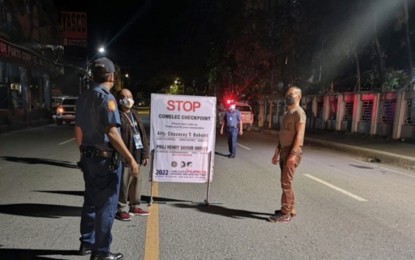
(149, 38)
(248, 49)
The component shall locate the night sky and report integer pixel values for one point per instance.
(149, 38)
(146, 37)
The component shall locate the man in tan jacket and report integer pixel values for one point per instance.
(289, 151)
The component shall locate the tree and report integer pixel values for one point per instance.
(408, 42)
(308, 42)
(379, 51)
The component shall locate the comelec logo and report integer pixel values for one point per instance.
(188, 164)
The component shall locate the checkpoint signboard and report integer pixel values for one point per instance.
(182, 138)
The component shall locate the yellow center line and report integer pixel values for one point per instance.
(151, 248)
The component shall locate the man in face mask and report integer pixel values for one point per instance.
(289, 151)
(135, 138)
(231, 120)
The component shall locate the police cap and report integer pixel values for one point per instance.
(102, 66)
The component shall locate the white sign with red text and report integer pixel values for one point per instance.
(182, 138)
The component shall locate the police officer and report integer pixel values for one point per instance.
(231, 120)
(97, 135)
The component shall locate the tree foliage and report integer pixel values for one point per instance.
(312, 43)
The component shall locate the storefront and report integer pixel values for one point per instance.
(25, 83)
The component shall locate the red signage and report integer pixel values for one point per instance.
(74, 28)
(22, 55)
(181, 105)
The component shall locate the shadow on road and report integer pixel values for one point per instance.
(30, 160)
(161, 200)
(222, 154)
(64, 192)
(144, 198)
(40, 210)
(28, 254)
(226, 212)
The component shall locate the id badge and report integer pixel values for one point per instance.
(137, 141)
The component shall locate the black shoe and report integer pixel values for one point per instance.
(109, 256)
(231, 156)
(280, 218)
(85, 249)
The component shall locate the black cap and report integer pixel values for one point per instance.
(102, 66)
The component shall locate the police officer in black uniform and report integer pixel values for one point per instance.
(99, 140)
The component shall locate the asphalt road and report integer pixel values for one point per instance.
(347, 208)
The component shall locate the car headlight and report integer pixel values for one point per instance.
(59, 110)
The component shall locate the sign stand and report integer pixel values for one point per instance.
(206, 201)
(208, 182)
(182, 140)
(151, 177)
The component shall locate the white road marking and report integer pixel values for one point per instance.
(380, 167)
(243, 146)
(67, 141)
(336, 188)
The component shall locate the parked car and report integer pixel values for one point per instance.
(65, 111)
(247, 115)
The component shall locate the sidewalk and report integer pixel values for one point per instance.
(375, 149)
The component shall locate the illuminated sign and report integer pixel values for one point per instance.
(182, 138)
(74, 28)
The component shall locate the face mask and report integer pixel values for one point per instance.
(127, 102)
(289, 100)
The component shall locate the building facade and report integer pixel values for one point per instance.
(32, 66)
(28, 49)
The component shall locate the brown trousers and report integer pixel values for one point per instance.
(287, 175)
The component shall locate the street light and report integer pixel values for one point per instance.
(92, 56)
(124, 80)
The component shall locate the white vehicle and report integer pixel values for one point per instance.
(65, 111)
(247, 115)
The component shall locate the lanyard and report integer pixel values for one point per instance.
(136, 136)
(131, 121)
